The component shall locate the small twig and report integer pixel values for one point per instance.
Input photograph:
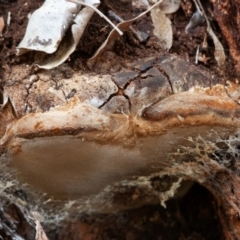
(198, 8)
(197, 55)
(154, 5)
(119, 19)
(99, 12)
(8, 21)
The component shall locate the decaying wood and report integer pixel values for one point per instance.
(229, 26)
(153, 109)
(84, 149)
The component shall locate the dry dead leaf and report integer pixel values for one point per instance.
(162, 24)
(69, 42)
(219, 51)
(52, 42)
(162, 28)
(169, 6)
(46, 37)
(195, 20)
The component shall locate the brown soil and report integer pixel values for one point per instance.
(194, 216)
(184, 45)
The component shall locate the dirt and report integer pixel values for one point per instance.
(184, 45)
(192, 217)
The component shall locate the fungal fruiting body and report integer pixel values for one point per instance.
(68, 153)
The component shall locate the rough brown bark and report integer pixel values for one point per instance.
(227, 15)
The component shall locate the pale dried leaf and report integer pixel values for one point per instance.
(195, 20)
(69, 42)
(91, 5)
(162, 28)
(47, 36)
(169, 6)
(219, 51)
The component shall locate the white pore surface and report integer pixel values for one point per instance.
(67, 166)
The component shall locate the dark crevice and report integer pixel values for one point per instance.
(129, 82)
(140, 71)
(165, 75)
(129, 101)
(146, 70)
(119, 92)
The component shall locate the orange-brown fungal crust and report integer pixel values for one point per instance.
(195, 109)
(178, 110)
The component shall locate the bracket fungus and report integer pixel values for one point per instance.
(145, 133)
(78, 148)
(120, 125)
